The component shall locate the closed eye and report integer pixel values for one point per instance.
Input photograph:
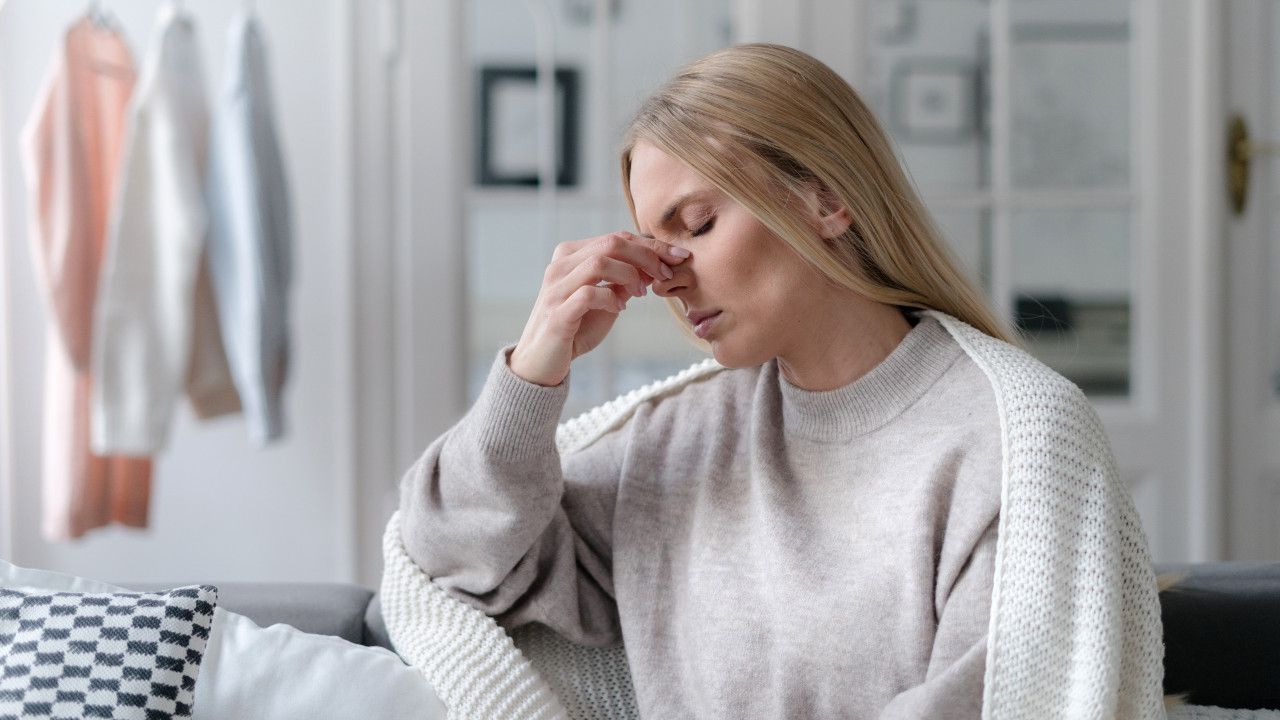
(702, 230)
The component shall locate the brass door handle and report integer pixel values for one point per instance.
(1241, 150)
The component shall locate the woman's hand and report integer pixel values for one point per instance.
(584, 288)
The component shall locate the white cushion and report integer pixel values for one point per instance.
(279, 672)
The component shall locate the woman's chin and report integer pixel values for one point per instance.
(732, 357)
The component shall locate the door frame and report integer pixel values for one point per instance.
(7, 502)
(406, 251)
(1207, 471)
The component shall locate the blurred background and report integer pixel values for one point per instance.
(1075, 152)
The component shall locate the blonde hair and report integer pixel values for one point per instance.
(756, 119)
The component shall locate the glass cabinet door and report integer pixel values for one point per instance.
(1014, 118)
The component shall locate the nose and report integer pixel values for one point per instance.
(681, 280)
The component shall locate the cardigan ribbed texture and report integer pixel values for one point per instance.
(1074, 625)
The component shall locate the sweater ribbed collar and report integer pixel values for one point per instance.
(875, 399)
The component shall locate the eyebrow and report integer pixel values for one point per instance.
(675, 208)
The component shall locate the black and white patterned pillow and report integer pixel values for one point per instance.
(108, 655)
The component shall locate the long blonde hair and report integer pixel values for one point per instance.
(764, 122)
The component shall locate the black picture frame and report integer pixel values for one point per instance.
(507, 139)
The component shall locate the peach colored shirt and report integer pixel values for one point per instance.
(72, 147)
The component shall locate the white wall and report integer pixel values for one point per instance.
(221, 510)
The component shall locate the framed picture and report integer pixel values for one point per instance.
(934, 100)
(508, 140)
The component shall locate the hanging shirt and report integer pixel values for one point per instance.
(71, 149)
(156, 329)
(250, 232)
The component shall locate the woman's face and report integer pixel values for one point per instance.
(742, 289)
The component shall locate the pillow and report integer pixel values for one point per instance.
(115, 655)
(280, 672)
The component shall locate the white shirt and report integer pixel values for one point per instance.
(156, 329)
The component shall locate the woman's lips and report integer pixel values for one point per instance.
(702, 322)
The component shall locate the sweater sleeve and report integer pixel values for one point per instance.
(953, 685)
(500, 520)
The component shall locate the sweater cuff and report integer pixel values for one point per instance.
(214, 402)
(517, 418)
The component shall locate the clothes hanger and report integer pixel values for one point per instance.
(100, 16)
(180, 12)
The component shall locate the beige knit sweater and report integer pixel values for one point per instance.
(1072, 628)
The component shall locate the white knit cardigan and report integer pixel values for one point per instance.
(1075, 622)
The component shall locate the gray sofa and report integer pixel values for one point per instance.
(1222, 634)
(1221, 626)
(350, 612)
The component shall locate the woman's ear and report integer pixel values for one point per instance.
(826, 214)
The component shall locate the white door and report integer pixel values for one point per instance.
(1252, 246)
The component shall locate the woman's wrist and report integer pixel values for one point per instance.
(533, 372)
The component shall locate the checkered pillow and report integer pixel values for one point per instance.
(121, 655)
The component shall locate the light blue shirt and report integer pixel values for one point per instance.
(250, 233)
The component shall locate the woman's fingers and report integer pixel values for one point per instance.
(650, 255)
(592, 297)
(670, 254)
(600, 269)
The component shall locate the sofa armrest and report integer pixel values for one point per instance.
(321, 608)
(375, 627)
(1222, 634)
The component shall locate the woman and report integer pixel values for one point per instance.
(812, 528)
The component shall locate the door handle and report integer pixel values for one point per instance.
(1241, 149)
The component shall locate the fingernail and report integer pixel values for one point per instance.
(621, 305)
(679, 251)
(666, 271)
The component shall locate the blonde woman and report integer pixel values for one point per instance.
(815, 526)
